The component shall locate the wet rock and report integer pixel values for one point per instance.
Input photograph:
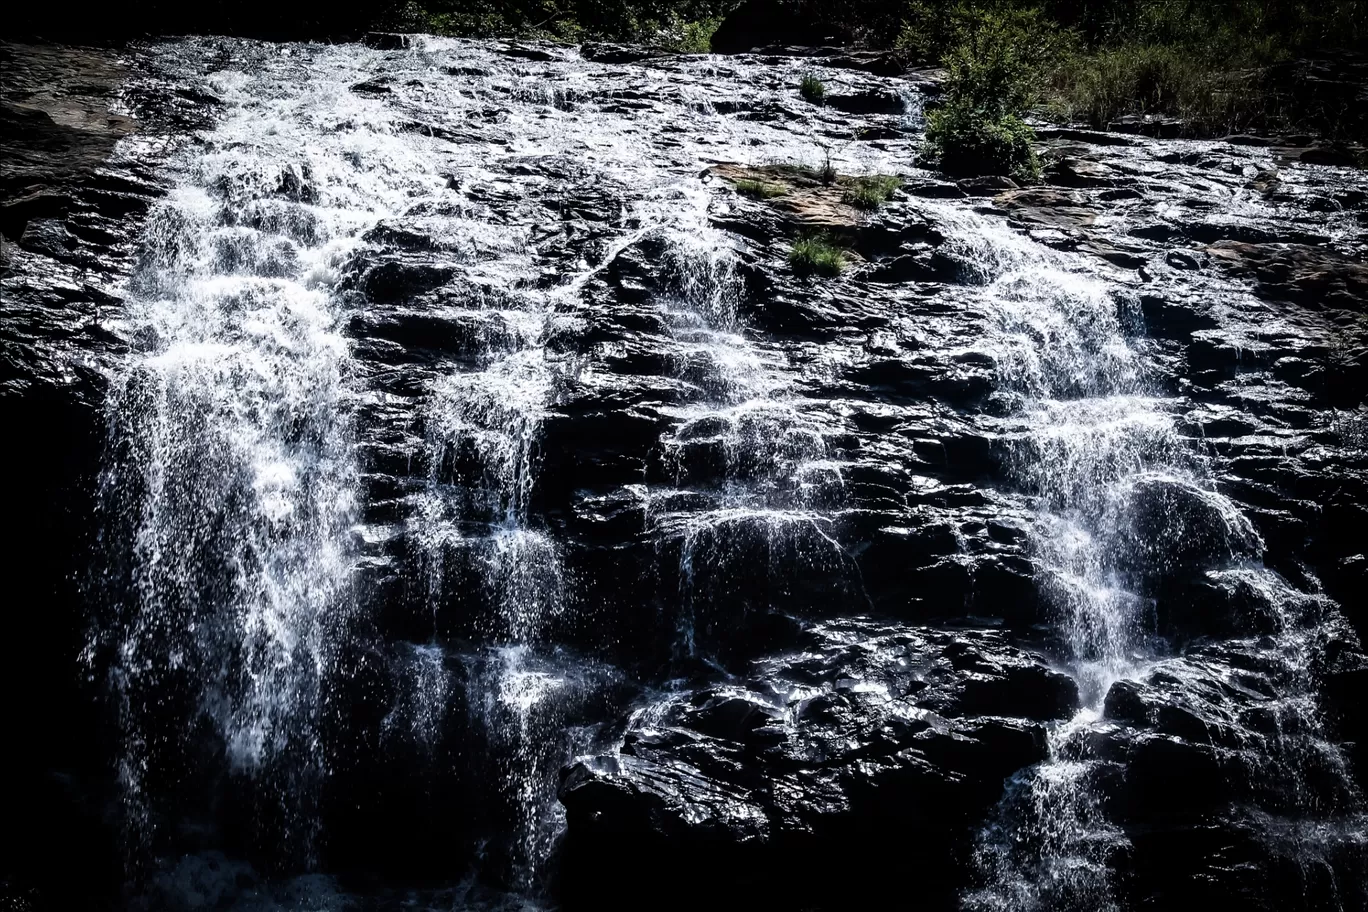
(871, 101)
(865, 721)
(1181, 259)
(1047, 208)
(527, 52)
(388, 41)
(721, 469)
(987, 185)
(1340, 157)
(378, 86)
(1220, 603)
(600, 52)
(1166, 776)
(1080, 172)
(1174, 527)
(1148, 125)
(932, 189)
(396, 280)
(1316, 277)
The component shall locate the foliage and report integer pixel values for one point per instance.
(872, 191)
(1218, 67)
(816, 255)
(685, 26)
(965, 142)
(812, 89)
(691, 37)
(995, 65)
(1218, 64)
(760, 189)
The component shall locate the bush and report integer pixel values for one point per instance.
(964, 142)
(1135, 79)
(817, 255)
(759, 189)
(682, 25)
(812, 89)
(693, 37)
(999, 59)
(870, 192)
(996, 68)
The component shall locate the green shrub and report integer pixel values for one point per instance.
(816, 255)
(1000, 57)
(690, 37)
(964, 142)
(995, 70)
(1134, 79)
(760, 189)
(870, 192)
(812, 89)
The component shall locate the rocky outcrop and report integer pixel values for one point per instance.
(69, 210)
(807, 758)
(1314, 276)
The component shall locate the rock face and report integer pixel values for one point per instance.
(70, 209)
(470, 467)
(812, 758)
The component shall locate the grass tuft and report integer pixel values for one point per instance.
(816, 255)
(872, 191)
(760, 189)
(812, 89)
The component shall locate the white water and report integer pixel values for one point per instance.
(1093, 445)
(234, 421)
(237, 413)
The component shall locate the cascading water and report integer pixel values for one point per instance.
(231, 456)
(1121, 501)
(746, 442)
(458, 418)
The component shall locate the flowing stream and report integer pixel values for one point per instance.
(376, 327)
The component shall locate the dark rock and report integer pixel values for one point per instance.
(395, 280)
(1180, 259)
(600, 52)
(527, 52)
(1313, 276)
(716, 510)
(934, 189)
(865, 722)
(1091, 137)
(388, 41)
(1148, 125)
(1338, 157)
(1080, 172)
(872, 101)
(1177, 527)
(877, 62)
(377, 86)
(987, 185)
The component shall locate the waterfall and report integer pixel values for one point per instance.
(230, 484)
(1121, 501)
(474, 431)
(745, 441)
